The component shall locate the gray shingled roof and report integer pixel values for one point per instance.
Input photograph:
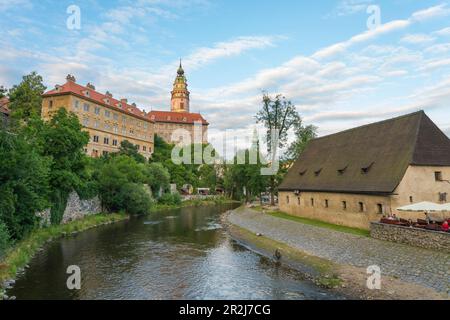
(370, 159)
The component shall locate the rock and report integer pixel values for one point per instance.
(12, 298)
(258, 234)
(5, 297)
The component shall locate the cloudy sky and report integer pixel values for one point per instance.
(337, 71)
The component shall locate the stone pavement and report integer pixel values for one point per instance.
(422, 266)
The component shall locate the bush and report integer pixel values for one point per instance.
(135, 199)
(4, 239)
(170, 199)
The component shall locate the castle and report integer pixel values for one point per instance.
(110, 121)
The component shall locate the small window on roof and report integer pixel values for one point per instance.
(365, 170)
(302, 173)
(317, 173)
(341, 171)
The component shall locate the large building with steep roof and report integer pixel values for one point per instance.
(355, 176)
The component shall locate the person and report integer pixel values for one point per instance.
(427, 218)
(445, 226)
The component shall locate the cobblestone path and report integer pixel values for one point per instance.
(426, 267)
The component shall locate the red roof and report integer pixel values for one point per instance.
(4, 105)
(97, 97)
(176, 117)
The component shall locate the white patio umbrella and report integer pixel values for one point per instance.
(446, 207)
(423, 206)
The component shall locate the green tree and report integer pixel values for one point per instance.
(4, 239)
(115, 175)
(24, 186)
(157, 177)
(303, 134)
(131, 150)
(26, 98)
(135, 199)
(278, 116)
(3, 92)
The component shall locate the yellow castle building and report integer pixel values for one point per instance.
(110, 121)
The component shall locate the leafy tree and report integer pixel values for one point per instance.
(24, 176)
(170, 199)
(26, 98)
(2, 91)
(303, 134)
(135, 199)
(158, 177)
(162, 150)
(131, 150)
(114, 176)
(278, 116)
(207, 177)
(4, 239)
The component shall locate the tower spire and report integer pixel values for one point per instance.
(180, 93)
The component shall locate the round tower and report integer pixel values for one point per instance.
(180, 93)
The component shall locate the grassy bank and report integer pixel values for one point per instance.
(21, 253)
(317, 223)
(193, 203)
(321, 271)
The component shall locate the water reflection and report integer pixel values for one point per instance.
(181, 254)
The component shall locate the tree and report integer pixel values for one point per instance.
(26, 98)
(24, 187)
(278, 116)
(302, 136)
(157, 177)
(131, 150)
(2, 92)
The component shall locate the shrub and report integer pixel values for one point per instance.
(135, 199)
(4, 239)
(170, 199)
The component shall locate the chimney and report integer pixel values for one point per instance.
(124, 101)
(134, 105)
(58, 88)
(70, 78)
(90, 86)
(108, 94)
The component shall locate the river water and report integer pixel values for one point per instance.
(177, 254)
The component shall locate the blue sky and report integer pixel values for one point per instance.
(321, 55)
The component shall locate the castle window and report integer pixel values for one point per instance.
(312, 202)
(76, 104)
(106, 140)
(182, 105)
(411, 199)
(116, 129)
(97, 110)
(287, 199)
(107, 114)
(144, 148)
(86, 107)
(96, 138)
(361, 206)
(326, 203)
(298, 200)
(442, 197)
(114, 142)
(438, 176)
(380, 208)
(138, 147)
(86, 122)
(105, 153)
(344, 205)
(124, 130)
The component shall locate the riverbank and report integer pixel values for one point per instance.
(17, 257)
(339, 260)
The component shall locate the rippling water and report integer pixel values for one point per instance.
(178, 254)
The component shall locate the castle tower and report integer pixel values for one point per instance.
(180, 93)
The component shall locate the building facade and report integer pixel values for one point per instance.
(107, 120)
(356, 176)
(179, 124)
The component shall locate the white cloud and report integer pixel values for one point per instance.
(443, 32)
(441, 10)
(419, 38)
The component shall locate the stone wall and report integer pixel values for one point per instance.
(413, 236)
(76, 208)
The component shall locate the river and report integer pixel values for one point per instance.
(176, 254)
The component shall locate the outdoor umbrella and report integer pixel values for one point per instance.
(423, 206)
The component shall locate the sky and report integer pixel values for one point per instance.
(329, 58)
